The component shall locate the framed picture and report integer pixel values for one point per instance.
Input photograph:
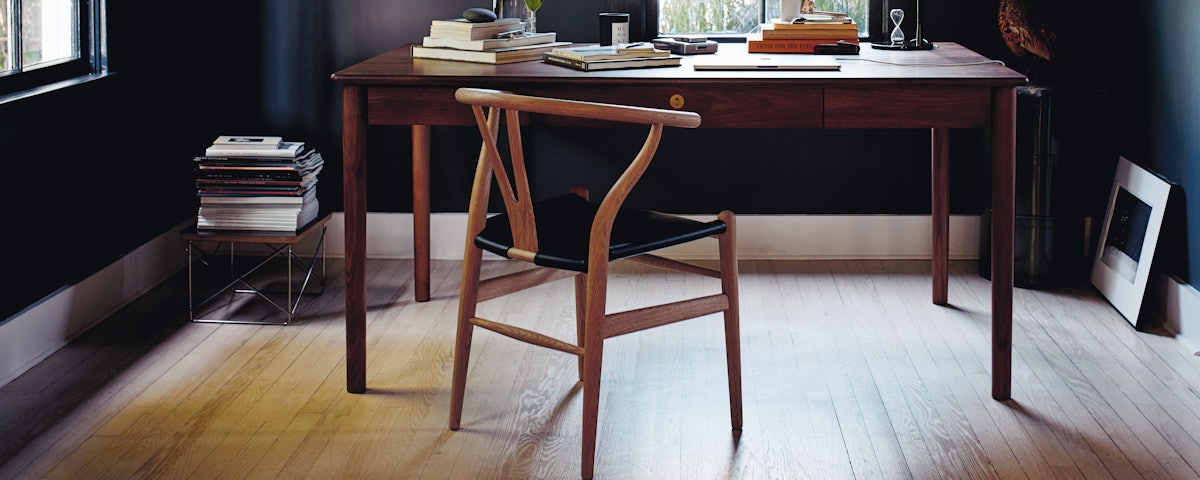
(1129, 235)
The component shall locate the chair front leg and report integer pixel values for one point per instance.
(593, 356)
(467, 298)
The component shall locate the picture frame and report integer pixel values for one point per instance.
(1128, 237)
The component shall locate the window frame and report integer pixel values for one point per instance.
(867, 32)
(91, 63)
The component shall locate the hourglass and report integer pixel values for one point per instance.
(897, 15)
(896, 40)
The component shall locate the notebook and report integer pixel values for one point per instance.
(764, 61)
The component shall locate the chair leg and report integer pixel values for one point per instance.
(594, 311)
(580, 316)
(467, 297)
(580, 291)
(727, 243)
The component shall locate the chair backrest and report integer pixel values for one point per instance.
(515, 189)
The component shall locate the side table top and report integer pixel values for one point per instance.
(249, 236)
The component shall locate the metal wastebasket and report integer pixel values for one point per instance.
(1051, 238)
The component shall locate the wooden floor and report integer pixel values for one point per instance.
(849, 373)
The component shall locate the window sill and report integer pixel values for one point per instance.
(53, 87)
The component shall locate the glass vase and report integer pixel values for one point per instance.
(509, 8)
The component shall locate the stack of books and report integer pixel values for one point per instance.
(804, 33)
(257, 183)
(503, 40)
(625, 55)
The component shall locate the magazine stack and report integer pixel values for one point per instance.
(257, 184)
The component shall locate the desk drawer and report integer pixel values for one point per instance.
(416, 106)
(903, 107)
(725, 107)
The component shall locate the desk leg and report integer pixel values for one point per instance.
(420, 173)
(354, 195)
(1004, 140)
(940, 211)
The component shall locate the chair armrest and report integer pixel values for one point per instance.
(578, 109)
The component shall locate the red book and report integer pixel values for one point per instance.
(849, 34)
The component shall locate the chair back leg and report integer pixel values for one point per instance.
(580, 317)
(727, 245)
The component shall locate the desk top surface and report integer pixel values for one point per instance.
(948, 64)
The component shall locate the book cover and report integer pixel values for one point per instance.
(491, 43)
(284, 150)
(799, 45)
(499, 56)
(610, 52)
(475, 33)
(248, 141)
(597, 65)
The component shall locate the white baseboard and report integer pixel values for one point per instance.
(30, 336)
(1177, 305)
(760, 237)
(41, 329)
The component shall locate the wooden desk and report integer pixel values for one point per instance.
(948, 87)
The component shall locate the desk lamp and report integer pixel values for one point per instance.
(897, 41)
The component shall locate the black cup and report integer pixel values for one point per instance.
(614, 28)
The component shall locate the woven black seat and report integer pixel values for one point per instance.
(563, 243)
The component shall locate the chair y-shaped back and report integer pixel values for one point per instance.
(570, 235)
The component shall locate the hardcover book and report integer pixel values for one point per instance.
(251, 200)
(491, 43)
(822, 18)
(811, 26)
(498, 56)
(283, 150)
(596, 65)
(846, 34)
(609, 52)
(473, 31)
(464, 24)
(248, 141)
(797, 45)
(308, 159)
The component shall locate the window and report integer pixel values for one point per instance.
(741, 16)
(47, 41)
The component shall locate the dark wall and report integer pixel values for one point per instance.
(98, 170)
(1171, 127)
